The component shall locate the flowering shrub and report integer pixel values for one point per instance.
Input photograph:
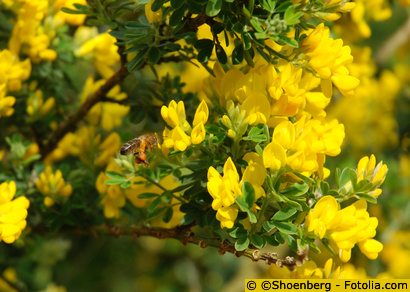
(209, 122)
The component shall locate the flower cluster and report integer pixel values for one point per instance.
(87, 144)
(227, 188)
(100, 49)
(36, 25)
(181, 134)
(303, 145)
(13, 213)
(375, 174)
(12, 73)
(329, 59)
(53, 187)
(344, 227)
(36, 106)
(357, 25)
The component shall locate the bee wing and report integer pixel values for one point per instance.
(130, 146)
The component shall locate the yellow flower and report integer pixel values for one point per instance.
(201, 114)
(112, 196)
(71, 19)
(12, 71)
(227, 216)
(345, 227)
(33, 32)
(6, 102)
(274, 156)
(36, 107)
(198, 134)
(102, 50)
(255, 173)
(174, 115)
(328, 57)
(107, 149)
(178, 136)
(152, 16)
(375, 174)
(13, 213)
(108, 115)
(53, 186)
(224, 190)
(367, 169)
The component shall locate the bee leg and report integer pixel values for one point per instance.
(143, 157)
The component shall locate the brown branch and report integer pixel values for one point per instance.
(185, 235)
(71, 122)
(389, 47)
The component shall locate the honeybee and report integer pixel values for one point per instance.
(140, 146)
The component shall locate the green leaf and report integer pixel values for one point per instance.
(268, 226)
(257, 134)
(147, 195)
(261, 35)
(243, 205)
(115, 178)
(279, 238)
(154, 55)
(168, 215)
(291, 16)
(246, 41)
(204, 47)
(296, 190)
(125, 185)
(284, 40)
(271, 240)
(137, 61)
(237, 54)
(283, 6)
(249, 194)
(285, 227)
(269, 5)
(256, 24)
(367, 197)
(324, 187)
(242, 243)
(284, 214)
(177, 3)
(347, 175)
(176, 17)
(213, 7)
(221, 55)
(154, 205)
(363, 186)
(157, 4)
(292, 243)
(293, 204)
(252, 217)
(238, 232)
(258, 241)
(259, 149)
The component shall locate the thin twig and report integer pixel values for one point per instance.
(71, 122)
(401, 36)
(186, 235)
